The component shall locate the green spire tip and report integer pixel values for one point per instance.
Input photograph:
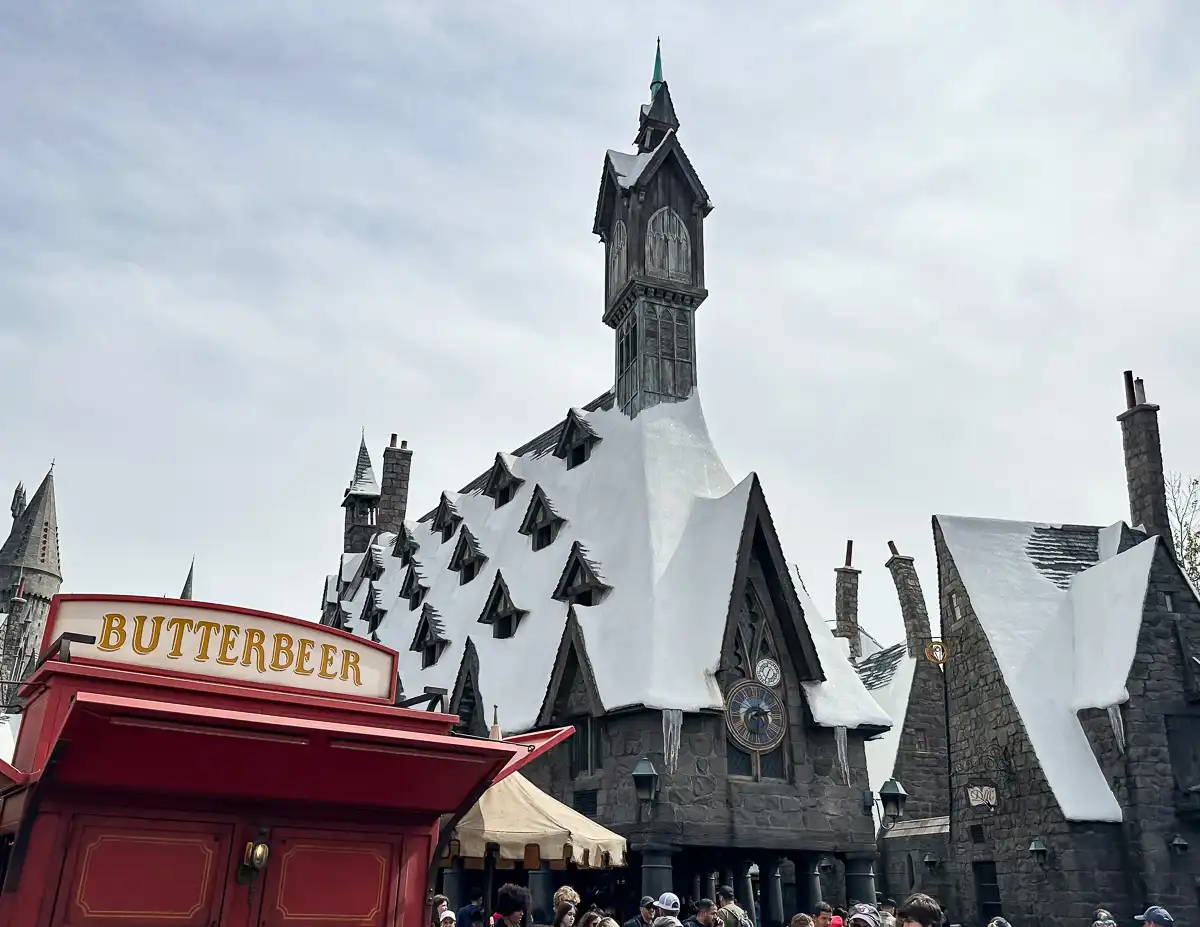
(657, 80)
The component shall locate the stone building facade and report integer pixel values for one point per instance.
(609, 574)
(1047, 821)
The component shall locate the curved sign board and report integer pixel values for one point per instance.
(222, 643)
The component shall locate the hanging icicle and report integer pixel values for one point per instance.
(1118, 726)
(839, 737)
(672, 721)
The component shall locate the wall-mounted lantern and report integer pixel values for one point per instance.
(1040, 852)
(931, 862)
(645, 783)
(826, 864)
(1178, 845)
(891, 800)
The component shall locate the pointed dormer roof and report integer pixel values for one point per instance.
(33, 542)
(364, 483)
(186, 595)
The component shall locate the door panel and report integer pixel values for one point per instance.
(318, 878)
(121, 871)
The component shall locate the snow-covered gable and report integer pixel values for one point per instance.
(888, 676)
(658, 521)
(628, 167)
(1063, 624)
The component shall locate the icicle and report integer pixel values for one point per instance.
(839, 737)
(672, 721)
(1118, 726)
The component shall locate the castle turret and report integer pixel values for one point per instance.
(361, 502)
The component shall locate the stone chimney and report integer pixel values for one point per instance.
(845, 603)
(1144, 475)
(917, 632)
(393, 488)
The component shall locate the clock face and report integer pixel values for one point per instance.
(767, 672)
(754, 714)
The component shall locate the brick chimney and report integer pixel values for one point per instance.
(845, 603)
(1144, 475)
(912, 602)
(393, 488)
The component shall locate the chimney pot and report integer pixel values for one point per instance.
(892, 548)
(1139, 391)
(393, 444)
(403, 445)
(849, 552)
(1130, 395)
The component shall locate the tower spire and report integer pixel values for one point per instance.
(186, 595)
(657, 80)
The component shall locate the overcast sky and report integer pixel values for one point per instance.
(233, 234)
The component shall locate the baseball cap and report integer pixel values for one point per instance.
(646, 902)
(668, 901)
(1156, 915)
(866, 914)
(447, 916)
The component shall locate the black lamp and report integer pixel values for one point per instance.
(893, 798)
(931, 862)
(645, 781)
(1039, 851)
(1178, 845)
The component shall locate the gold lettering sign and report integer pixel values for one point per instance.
(227, 645)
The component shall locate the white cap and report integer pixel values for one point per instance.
(668, 901)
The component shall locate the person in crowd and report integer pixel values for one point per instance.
(440, 904)
(919, 911)
(824, 914)
(1103, 918)
(566, 895)
(706, 911)
(666, 920)
(836, 921)
(729, 911)
(512, 904)
(801, 920)
(1158, 916)
(667, 905)
(564, 915)
(864, 915)
(842, 913)
(590, 918)
(608, 921)
(645, 916)
(448, 919)
(466, 914)
(887, 911)
(1001, 922)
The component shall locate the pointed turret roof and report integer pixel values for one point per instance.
(657, 80)
(187, 583)
(33, 542)
(364, 482)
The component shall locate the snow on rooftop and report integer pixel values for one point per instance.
(660, 518)
(1060, 649)
(628, 166)
(365, 484)
(9, 726)
(841, 700)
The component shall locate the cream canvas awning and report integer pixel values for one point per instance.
(514, 814)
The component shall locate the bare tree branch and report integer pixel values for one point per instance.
(1183, 509)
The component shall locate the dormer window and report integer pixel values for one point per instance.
(541, 522)
(430, 638)
(418, 596)
(501, 484)
(446, 519)
(576, 440)
(467, 558)
(499, 611)
(580, 583)
(405, 546)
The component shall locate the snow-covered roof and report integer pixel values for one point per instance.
(841, 700)
(1061, 611)
(659, 521)
(868, 644)
(888, 676)
(9, 726)
(364, 483)
(629, 166)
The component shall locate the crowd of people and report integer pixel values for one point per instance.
(514, 903)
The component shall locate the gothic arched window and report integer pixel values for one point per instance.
(668, 246)
(616, 259)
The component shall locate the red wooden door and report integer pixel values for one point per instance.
(123, 871)
(330, 879)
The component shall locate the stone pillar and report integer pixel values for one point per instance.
(453, 885)
(912, 602)
(697, 887)
(772, 893)
(860, 879)
(729, 879)
(845, 603)
(541, 887)
(709, 884)
(743, 889)
(1144, 475)
(808, 884)
(393, 488)
(657, 873)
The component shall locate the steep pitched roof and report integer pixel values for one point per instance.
(364, 483)
(33, 542)
(1061, 610)
(661, 522)
(186, 594)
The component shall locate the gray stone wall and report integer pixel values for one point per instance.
(393, 487)
(921, 754)
(902, 870)
(917, 633)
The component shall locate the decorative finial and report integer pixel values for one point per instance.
(52, 464)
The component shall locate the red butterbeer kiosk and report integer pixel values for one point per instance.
(195, 765)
